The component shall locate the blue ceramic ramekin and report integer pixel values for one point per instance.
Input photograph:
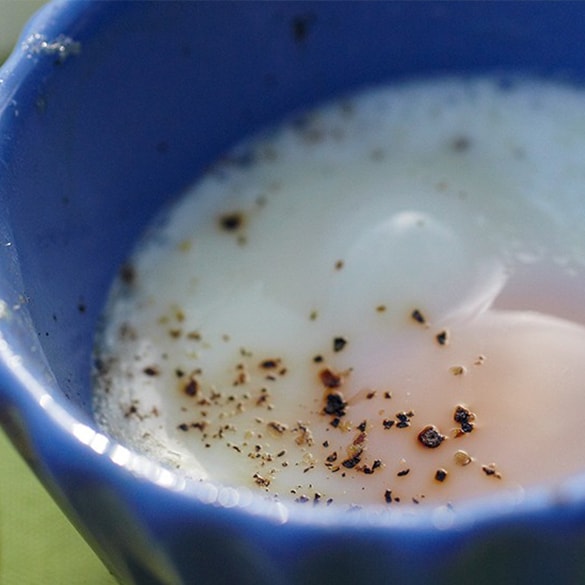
(108, 109)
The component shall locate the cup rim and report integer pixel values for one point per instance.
(35, 403)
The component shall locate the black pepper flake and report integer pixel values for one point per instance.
(339, 343)
(191, 388)
(418, 317)
(318, 359)
(461, 143)
(183, 427)
(388, 423)
(334, 404)
(151, 371)
(362, 426)
(464, 417)
(132, 410)
(351, 462)
(388, 496)
(441, 475)
(332, 458)
(375, 465)
(404, 419)
(431, 437)
(335, 422)
(403, 472)
(442, 337)
(301, 25)
(491, 471)
(270, 364)
(325, 444)
(231, 222)
(127, 274)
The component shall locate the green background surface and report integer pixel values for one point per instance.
(38, 545)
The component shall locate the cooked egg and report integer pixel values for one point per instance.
(378, 302)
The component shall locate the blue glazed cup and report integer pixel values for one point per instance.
(108, 109)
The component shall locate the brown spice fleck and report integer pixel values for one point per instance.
(339, 265)
(462, 458)
(457, 370)
(330, 379)
(430, 437)
(305, 436)
(277, 427)
(261, 481)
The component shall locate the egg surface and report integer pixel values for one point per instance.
(381, 301)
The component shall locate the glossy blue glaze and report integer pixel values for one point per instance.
(107, 111)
